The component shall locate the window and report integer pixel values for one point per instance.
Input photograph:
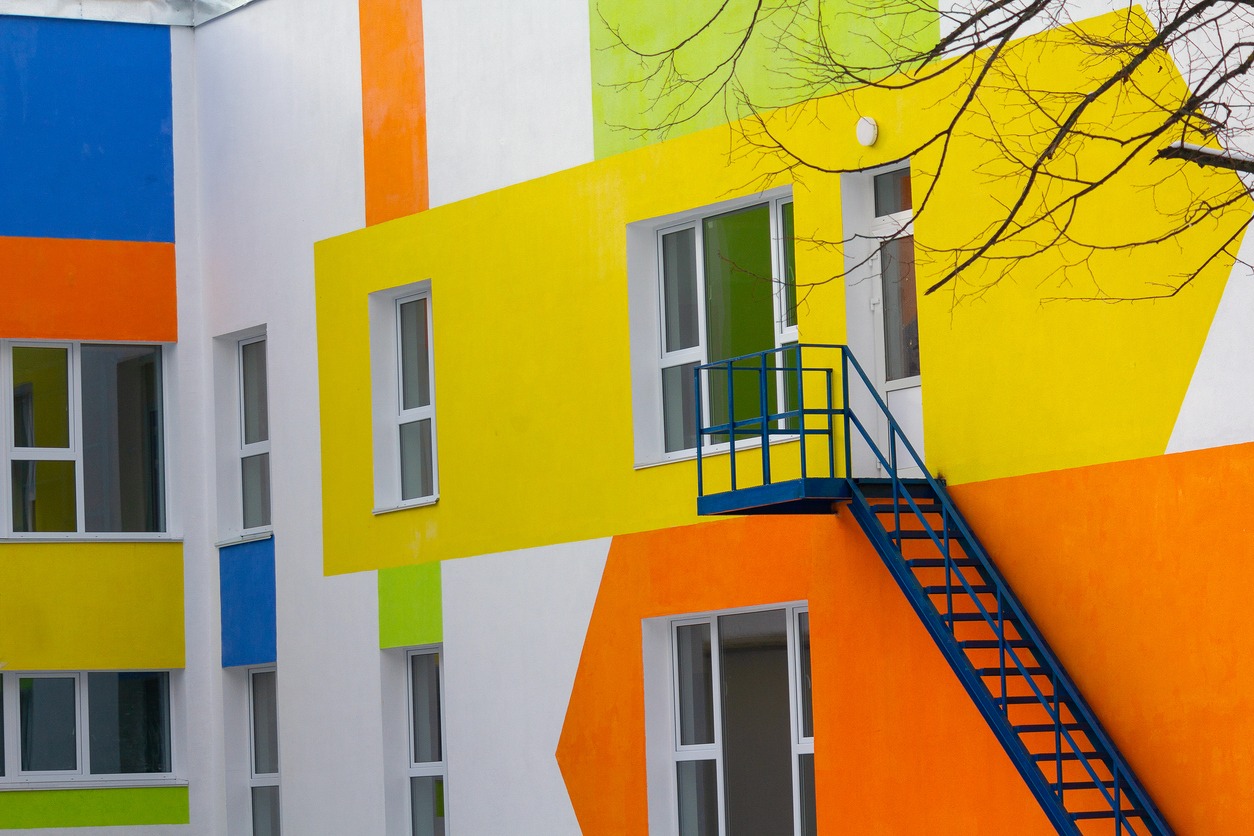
(85, 445)
(427, 771)
(264, 738)
(894, 226)
(740, 757)
(82, 727)
(707, 286)
(403, 374)
(254, 434)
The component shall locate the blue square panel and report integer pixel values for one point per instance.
(86, 148)
(246, 575)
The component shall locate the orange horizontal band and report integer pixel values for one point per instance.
(69, 289)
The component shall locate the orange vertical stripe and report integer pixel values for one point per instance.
(68, 289)
(393, 108)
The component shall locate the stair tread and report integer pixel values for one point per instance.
(958, 588)
(1133, 813)
(939, 562)
(1013, 670)
(1046, 757)
(1046, 727)
(993, 644)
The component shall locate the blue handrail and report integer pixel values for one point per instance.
(770, 424)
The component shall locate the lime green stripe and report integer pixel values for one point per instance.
(409, 606)
(22, 809)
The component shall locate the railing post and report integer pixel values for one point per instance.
(1053, 681)
(844, 382)
(697, 410)
(765, 422)
(801, 410)
(731, 422)
(1001, 652)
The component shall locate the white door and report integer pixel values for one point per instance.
(882, 311)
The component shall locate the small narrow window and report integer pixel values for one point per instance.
(129, 722)
(416, 414)
(254, 434)
(264, 722)
(427, 772)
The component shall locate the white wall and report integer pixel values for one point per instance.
(278, 89)
(509, 92)
(514, 627)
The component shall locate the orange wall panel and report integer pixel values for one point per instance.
(67, 289)
(1140, 573)
(393, 108)
(899, 748)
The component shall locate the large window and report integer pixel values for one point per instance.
(254, 434)
(427, 770)
(741, 750)
(404, 398)
(84, 438)
(263, 718)
(84, 727)
(723, 284)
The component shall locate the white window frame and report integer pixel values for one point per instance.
(81, 776)
(9, 452)
(648, 320)
(255, 778)
(662, 697)
(881, 229)
(256, 448)
(425, 769)
(386, 386)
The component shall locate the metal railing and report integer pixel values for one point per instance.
(770, 371)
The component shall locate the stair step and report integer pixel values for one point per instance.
(970, 616)
(993, 644)
(883, 488)
(915, 535)
(1046, 757)
(1069, 786)
(904, 507)
(1105, 814)
(958, 589)
(1046, 727)
(1013, 670)
(1028, 699)
(939, 562)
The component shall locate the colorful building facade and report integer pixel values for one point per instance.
(354, 450)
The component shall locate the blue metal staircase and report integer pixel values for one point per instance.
(1073, 768)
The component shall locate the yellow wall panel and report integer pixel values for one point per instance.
(531, 329)
(73, 606)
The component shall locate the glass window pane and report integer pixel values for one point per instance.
(129, 722)
(123, 488)
(901, 308)
(679, 413)
(757, 722)
(1, 732)
(696, 684)
(424, 670)
(266, 811)
(805, 772)
(252, 361)
(740, 314)
(892, 192)
(415, 364)
(265, 724)
(41, 397)
(698, 798)
(803, 665)
(790, 265)
(44, 497)
(417, 471)
(426, 805)
(256, 489)
(679, 288)
(48, 723)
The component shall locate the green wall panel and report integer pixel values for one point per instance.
(636, 102)
(410, 610)
(24, 809)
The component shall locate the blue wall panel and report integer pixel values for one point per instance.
(86, 145)
(246, 573)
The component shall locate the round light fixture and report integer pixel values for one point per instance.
(868, 131)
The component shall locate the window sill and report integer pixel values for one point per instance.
(710, 450)
(87, 783)
(245, 537)
(405, 506)
(91, 537)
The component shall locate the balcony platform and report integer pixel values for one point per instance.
(795, 496)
